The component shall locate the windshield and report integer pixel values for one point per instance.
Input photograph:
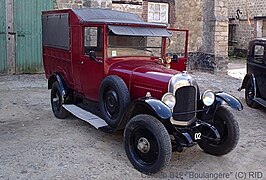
(119, 45)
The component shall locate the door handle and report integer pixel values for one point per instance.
(11, 33)
(81, 62)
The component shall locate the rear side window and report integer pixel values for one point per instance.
(55, 30)
(259, 51)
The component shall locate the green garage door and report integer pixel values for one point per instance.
(27, 25)
(2, 37)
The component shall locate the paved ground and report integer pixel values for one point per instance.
(36, 145)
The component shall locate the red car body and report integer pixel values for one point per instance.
(141, 74)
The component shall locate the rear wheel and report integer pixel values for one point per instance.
(57, 102)
(147, 144)
(228, 129)
(250, 94)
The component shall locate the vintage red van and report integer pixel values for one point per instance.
(120, 64)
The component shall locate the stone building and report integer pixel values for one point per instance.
(207, 21)
(247, 20)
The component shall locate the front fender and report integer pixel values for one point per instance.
(147, 105)
(232, 101)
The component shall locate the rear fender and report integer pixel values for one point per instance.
(62, 85)
(247, 78)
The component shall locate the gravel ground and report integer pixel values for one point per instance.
(36, 145)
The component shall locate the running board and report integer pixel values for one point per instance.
(94, 120)
(260, 101)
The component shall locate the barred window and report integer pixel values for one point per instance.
(158, 12)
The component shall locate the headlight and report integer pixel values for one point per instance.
(168, 59)
(169, 100)
(208, 98)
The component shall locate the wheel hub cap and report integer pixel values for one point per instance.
(111, 101)
(56, 99)
(143, 145)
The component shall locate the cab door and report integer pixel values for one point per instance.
(92, 68)
(264, 74)
(257, 65)
(177, 48)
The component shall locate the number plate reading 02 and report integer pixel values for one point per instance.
(197, 136)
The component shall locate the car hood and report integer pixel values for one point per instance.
(143, 76)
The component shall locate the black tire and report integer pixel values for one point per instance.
(156, 151)
(57, 102)
(228, 129)
(249, 95)
(113, 100)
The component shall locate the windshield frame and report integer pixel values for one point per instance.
(134, 50)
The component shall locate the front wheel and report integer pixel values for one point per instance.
(147, 144)
(228, 129)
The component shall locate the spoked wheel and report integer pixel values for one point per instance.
(113, 99)
(147, 144)
(57, 102)
(228, 129)
(249, 95)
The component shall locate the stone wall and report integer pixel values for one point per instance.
(205, 19)
(245, 31)
(66, 4)
(98, 3)
(221, 35)
(252, 8)
(243, 14)
(133, 7)
(189, 16)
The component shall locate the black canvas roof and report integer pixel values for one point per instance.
(110, 17)
(139, 31)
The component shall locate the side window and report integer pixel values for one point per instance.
(93, 40)
(258, 54)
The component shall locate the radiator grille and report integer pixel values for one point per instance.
(185, 103)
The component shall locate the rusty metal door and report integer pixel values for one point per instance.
(3, 65)
(27, 29)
